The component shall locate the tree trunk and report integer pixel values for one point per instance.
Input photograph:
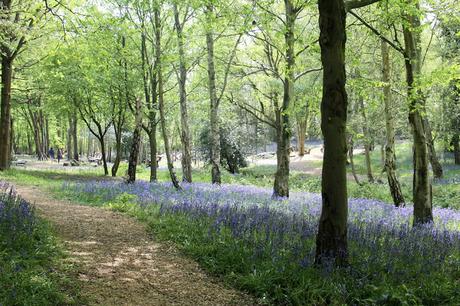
(456, 147)
(11, 149)
(134, 154)
(301, 131)
(116, 162)
(435, 164)
(117, 126)
(281, 185)
(390, 158)
(30, 150)
(104, 159)
(421, 181)
(5, 113)
(352, 163)
(100, 137)
(172, 173)
(69, 139)
(74, 137)
(367, 141)
(214, 111)
(331, 241)
(153, 153)
(185, 130)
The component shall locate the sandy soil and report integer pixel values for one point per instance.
(118, 263)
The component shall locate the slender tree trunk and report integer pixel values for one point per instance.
(214, 111)
(301, 131)
(69, 139)
(331, 241)
(281, 185)
(117, 160)
(421, 181)
(11, 149)
(352, 163)
(134, 154)
(456, 147)
(390, 158)
(435, 164)
(101, 139)
(5, 112)
(33, 123)
(367, 142)
(29, 144)
(172, 173)
(185, 130)
(153, 154)
(47, 133)
(74, 137)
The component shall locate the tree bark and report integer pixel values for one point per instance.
(367, 142)
(134, 154)
(69, 139)
(116, 162)
(331, 241)
(456, 147)
(153, 154)
(352, 163)
(172, 173)
(435, 164)
(185, 130)
(281, 185)
(214, 111)
(103, 151)
(390, 158)
(74, 137)
(5, 113)
(301, 131)
(421, 181)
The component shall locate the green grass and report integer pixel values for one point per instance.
(283, 283)
(228, 259)
(32, 270)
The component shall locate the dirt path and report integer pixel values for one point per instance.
(119, 264)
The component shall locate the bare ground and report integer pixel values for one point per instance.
(118, 263)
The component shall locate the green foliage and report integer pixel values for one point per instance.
(231, 156)
(125, 202)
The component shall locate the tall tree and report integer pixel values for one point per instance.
(331, 240)
(214, 111)
(158, 55)
(134, 153)
(215, 98)
(11, 44)
(390, 157)
(417, 110)
(182, 78)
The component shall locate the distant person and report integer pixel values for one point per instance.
(59, 155)
(51, 153)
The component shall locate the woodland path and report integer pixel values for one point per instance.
(119, 263)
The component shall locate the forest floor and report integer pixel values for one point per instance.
(118, 263)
